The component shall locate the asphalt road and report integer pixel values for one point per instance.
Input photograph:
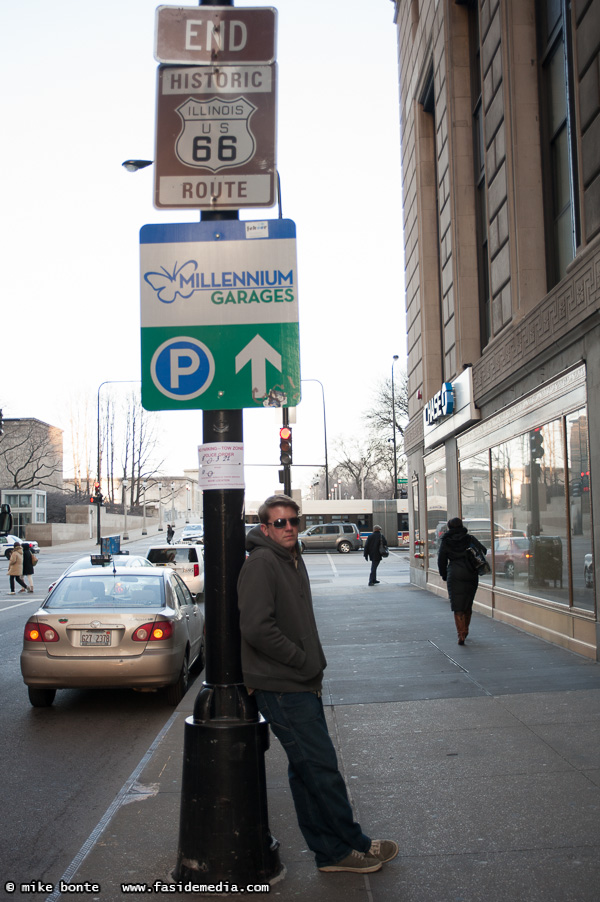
(64, 765)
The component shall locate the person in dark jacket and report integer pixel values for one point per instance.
(372, 553)
(282, 665)
(457, 572)
(29, 562)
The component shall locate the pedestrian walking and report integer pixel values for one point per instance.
(15, 568)
(170, 534)
(456, 570)
(282, 664)
(375, 545)
(29, 562)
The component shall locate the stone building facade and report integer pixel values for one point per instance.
(500, 126)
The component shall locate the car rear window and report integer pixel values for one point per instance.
(104, 590)
(166, 557)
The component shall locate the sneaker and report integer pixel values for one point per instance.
(356, 863)
(383, 849)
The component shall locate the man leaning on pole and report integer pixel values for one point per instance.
(282, 664)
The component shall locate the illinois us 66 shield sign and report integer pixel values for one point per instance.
(219, 315)
(215, 137)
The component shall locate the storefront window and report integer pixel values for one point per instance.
(582, 564)
(437, 512)
(529, 501)
(417, 522)
(475, 501)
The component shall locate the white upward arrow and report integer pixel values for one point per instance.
(257, 352)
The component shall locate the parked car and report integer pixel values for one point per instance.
(123, 559)
(186, 560)
(193, 533)
(132, 627)
(512, 555)
(344, 537)
(481, 528)
(7, 544)
(588, 571)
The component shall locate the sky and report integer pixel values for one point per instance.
(78, 98)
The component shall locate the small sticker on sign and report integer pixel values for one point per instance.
(257, 229)
(221, 465)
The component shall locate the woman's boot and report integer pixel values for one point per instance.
(459, 620)
(467, 616)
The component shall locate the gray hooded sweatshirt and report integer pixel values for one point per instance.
(281, 650)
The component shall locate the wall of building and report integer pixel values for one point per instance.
(524, 342)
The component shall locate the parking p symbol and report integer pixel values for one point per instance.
(182, 368)
(179, 357)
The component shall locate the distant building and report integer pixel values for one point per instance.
(500, 126)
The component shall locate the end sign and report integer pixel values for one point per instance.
(211, 35)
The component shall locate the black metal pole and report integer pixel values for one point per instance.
(224, 831)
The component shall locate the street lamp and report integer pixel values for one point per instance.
(160, 512)
(395, 358)
(124, 487)
(324, 434)
(144, 530)
(188, 490)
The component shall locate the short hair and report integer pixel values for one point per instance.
(275, 501)
(455, 523)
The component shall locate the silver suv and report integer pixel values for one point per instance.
(344, 537)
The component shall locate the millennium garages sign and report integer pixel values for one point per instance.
(219, 313)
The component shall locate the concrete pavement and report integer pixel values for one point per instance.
(482, 761)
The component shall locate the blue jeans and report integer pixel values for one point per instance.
(322, 806)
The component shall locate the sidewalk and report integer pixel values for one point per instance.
(482, 761)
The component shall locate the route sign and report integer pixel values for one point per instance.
(215, 35)
(215, 137)
(219, 313)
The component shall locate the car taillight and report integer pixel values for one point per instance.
(153, 632)
(40, 632)
(196, 569)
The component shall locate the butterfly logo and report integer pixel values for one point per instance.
(168, 285)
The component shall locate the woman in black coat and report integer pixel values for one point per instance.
(456, 570)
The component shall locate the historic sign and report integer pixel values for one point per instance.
(215, 137)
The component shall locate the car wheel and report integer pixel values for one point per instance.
(39, 697)
(344, 547)
(176, 691)
(509, 570)
(7, 555)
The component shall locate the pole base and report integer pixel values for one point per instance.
(224, 833)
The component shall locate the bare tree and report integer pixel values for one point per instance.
(379, 417)
(358, 461)
(31, 454)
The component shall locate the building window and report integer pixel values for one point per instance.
(483, 265)
(437, 512)
(557, 136)
(475, 501)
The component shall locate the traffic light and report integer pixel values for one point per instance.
(285, 445)
(536, 444)
(97, 497)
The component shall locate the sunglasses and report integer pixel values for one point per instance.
(281, 522)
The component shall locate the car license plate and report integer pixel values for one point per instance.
(95, 637)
